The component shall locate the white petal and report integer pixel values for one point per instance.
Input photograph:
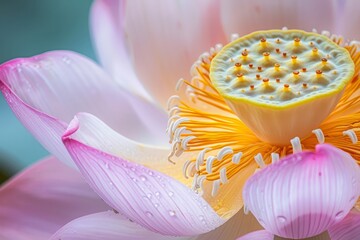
(107, 20)
(166, 38)
(244, 17)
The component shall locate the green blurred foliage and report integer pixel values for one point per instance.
(29, 28)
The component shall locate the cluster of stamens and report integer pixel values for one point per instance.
(205, 125)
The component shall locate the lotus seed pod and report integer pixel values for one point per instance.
(296, 80)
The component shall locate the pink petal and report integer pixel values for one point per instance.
(258, 235)
(47, 90)
(348, 19)
(348, 228)
(92, 129)
(244, 17)
(40, 200)
(167, 37)
(305, 193)
(108, 226)
(46, 129)
(107, 18)
(148, 197)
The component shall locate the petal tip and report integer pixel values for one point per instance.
(74, 125)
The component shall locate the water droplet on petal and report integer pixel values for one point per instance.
(281, 219)
(158, 194)
(156, 205)
(66, 60)
(339, 214)
(149, 214)
(171, 194)
(143, 178)
(246, 210)
(172, 213)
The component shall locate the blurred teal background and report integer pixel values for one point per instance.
(29, 28)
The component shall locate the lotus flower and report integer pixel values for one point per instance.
(108, 126)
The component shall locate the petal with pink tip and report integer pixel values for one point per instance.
(258, 235)
(305, 193)
(348, 228)
(157, 159)
(106, 22)
(107, 226)
(148, 197)
(244, 17)
(40, 200)
(112, 143)
(166, 38)
(47, 90)
(92, 129)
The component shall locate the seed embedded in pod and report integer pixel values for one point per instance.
(272, 115)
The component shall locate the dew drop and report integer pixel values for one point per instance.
(172, 213)
(66, 60)
(201, 217)
(246, 210)
(149, 195)
(281, 219)
(339, 214)
(158, 194)
(143, 178)
(171, 194)
(156, 205)
(149, 214)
